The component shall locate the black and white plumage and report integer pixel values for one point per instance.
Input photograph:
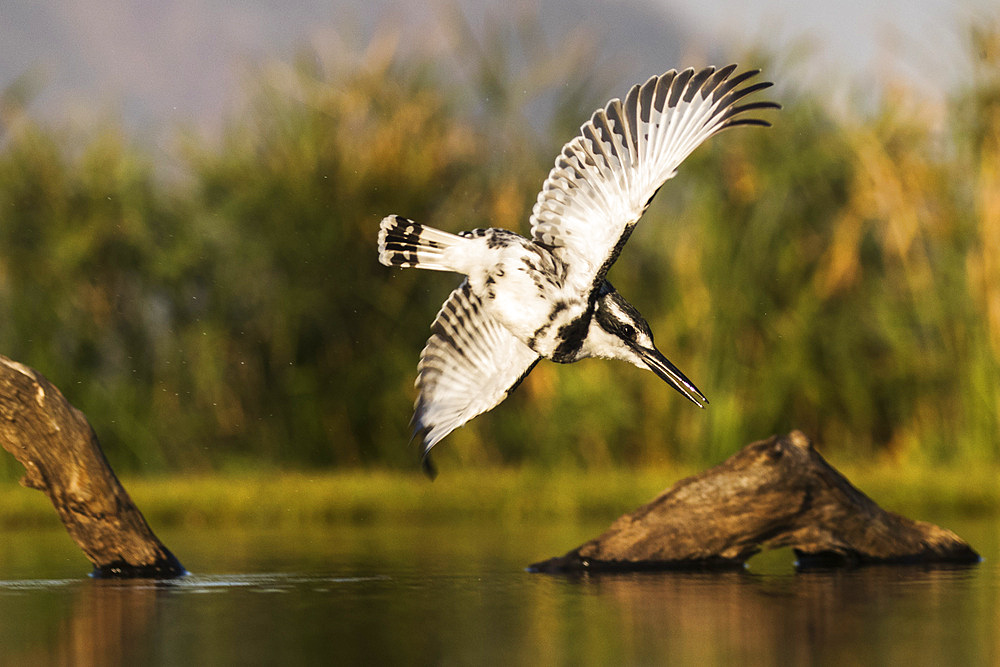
(524, 299)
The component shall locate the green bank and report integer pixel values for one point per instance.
(501, 495)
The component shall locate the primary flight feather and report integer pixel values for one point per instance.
(524, 299)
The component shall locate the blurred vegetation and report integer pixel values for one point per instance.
(837, 275)
(498, 496)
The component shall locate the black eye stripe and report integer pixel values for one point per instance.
(620, 318)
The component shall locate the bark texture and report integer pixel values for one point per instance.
(62, 458)
(773, 493)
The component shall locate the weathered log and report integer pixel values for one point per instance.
(773, 493)
(62, 458)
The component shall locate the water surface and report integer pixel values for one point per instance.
(444, 594)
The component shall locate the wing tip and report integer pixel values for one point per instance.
(427, 465)
(420, 432)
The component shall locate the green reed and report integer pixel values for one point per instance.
(836, 274)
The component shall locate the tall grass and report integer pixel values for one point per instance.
(837, 275)
(495, 495)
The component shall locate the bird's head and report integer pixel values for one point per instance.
(618, 331)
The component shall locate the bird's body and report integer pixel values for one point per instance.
(521, 283)
(547, 297)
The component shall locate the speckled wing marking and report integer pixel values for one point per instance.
(604, 179)
(469, 365)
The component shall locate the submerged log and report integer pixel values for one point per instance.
(62, 458)
(773, 493)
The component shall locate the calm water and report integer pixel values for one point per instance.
(458, 595)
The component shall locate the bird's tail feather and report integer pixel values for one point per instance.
(404, 243)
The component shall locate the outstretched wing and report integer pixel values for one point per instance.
(604, 179)
(469, 365)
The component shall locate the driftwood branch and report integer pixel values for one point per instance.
(773, 493)
(62, 458)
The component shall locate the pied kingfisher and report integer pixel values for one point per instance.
(524, 299)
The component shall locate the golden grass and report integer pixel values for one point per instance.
(298, 499)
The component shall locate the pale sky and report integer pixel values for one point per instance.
(155, 64)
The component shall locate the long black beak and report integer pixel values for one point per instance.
(670, 374)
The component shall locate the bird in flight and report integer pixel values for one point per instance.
(546, 296)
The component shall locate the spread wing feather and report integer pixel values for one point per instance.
(605, 177)
(470, 364)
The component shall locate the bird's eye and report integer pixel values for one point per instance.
(628, 331)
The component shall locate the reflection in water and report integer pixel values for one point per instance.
(432, 595)
(114, 622)
(97, 623)
(811, 618)
(107, 625)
